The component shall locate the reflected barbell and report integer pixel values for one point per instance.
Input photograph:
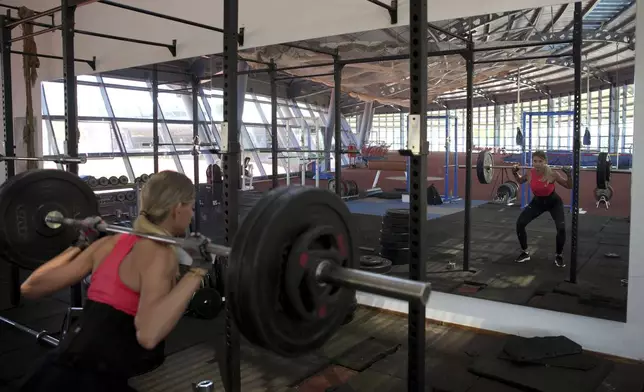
(61, 160)
(290, 274)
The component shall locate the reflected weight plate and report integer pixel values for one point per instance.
(92, 182)
(113, 180)
(25, 200)
(103, 181)
(603, 170)
(259, 260)
(484, 169)
(123, 180)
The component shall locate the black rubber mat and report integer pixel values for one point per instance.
(540, 378)
(487, 385)
(365, 354)
(623, 378)
(530, 349)
(575, 361)
(371, 381)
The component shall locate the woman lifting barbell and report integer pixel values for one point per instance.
(542, 179)
(134, 299)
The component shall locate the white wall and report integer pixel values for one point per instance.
(266, 22)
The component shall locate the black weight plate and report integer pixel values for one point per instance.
(484, 170)
(145, 177)
(236, 273)
(92, 182)
(371, 260)
(206, 303)
(120, 197)
(25, 199)
(353, 188)
(331, 185)
(263, 258)
(130, 196)
(103, 181)
(603, 170)
(123, 180)
(113, 180)
(381, 268)
(397, 212)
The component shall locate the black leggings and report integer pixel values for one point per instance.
(538, 206)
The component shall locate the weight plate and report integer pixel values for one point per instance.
(145, 177)
(206, 303)
(371, 260)
(603, 170)
(606, 193)
(344, 189)
(120, 197)
(123, 180)
(113, 180)
(352, 188)
(130, 196)
(25, 200)
(268, 317)
(103, 181)
(484, 170)
(92, 182)
(381, 268)
(331, 185)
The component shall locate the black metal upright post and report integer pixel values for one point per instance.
(469, 66)
(9, 143)
(274, 136)
(231, 152)
(71, 107)
(417, 143)
(576, 139)
(155, 118)
(337, 90)
(195, 148)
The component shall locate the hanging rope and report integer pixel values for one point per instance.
(30, 65)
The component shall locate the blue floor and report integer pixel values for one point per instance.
(378, 207)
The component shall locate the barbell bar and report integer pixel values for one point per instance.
(326, 272)
(61, 160)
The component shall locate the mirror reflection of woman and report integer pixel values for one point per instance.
(543, 179)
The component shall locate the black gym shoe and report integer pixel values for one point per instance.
(559, 261)
(523, 257)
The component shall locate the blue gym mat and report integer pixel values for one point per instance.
(378, 207)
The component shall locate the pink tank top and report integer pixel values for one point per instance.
(538, 187)
(106, 285)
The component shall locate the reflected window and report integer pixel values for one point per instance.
(145, 165)
(174, 106)
(95, 137)
(90, 101)
(125, 82)
(130, 103)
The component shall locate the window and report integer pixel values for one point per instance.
(260, 136)
(137, 136)
(251, 114)
(90, 101)
(55, 95)
(216, 108)
(175, 106)
(130, 103)
(187, 161)
(145, 165)
(182, 135)
(95, 137)
(87, 78)
(103, 167)
(125, 82)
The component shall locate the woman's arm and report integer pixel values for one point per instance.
(565, 182)
(520, 179)
(160, 305)
(63, 270)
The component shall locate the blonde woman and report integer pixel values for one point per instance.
(134, 299)
(542, 179)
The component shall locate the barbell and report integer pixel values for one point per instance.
(61, 160)
(291, 271)
(485, 168)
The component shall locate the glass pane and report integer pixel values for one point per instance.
(90, 102)
(187, 161)
(86, 78)
(47, 145)
(181, 134)
(95, 137)
(138, 136)
(55, 95)
(130, 103)
(145, 165)
(175, 106)
(260, 136)
(216, 108)
(103, 167)
(125, 82)
(251, 114)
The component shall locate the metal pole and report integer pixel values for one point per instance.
(71, 109)
(155, 117)
(231, 364)
(274, 135)
(9, 147)
(576, 146)
(469, 60)
(337, 77)
(195, 149)
(417, 175)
